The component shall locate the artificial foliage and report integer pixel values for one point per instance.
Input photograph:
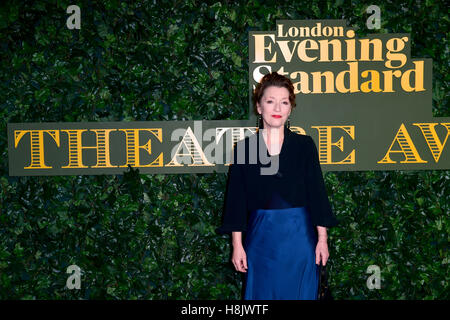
(138, 236)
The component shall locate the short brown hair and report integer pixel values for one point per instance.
(276, 80)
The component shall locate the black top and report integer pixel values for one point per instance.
(297, 182)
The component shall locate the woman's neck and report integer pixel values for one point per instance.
(274, 138)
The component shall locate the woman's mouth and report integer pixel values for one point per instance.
(276, 116)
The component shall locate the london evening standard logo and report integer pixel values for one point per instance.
(319, 43)
(364, 101)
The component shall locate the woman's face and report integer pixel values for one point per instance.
(274, 107)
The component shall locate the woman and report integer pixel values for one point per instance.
(284, 215)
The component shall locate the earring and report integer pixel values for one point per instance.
(289, 122)
(258, 121)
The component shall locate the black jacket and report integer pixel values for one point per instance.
(297, 182)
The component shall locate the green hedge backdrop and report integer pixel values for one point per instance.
(140, 236)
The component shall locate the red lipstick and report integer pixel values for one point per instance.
(276, 116)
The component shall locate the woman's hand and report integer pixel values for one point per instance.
(322, 252)
(239, 259)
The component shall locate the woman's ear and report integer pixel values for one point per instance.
(258, 108)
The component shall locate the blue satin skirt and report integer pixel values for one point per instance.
(280, 246)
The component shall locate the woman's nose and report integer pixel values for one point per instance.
(277, 106)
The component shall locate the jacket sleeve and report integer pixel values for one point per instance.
(235, 206)
(317, 198)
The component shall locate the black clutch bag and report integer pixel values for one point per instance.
(324, 292)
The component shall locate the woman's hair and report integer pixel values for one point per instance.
(276, 80)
